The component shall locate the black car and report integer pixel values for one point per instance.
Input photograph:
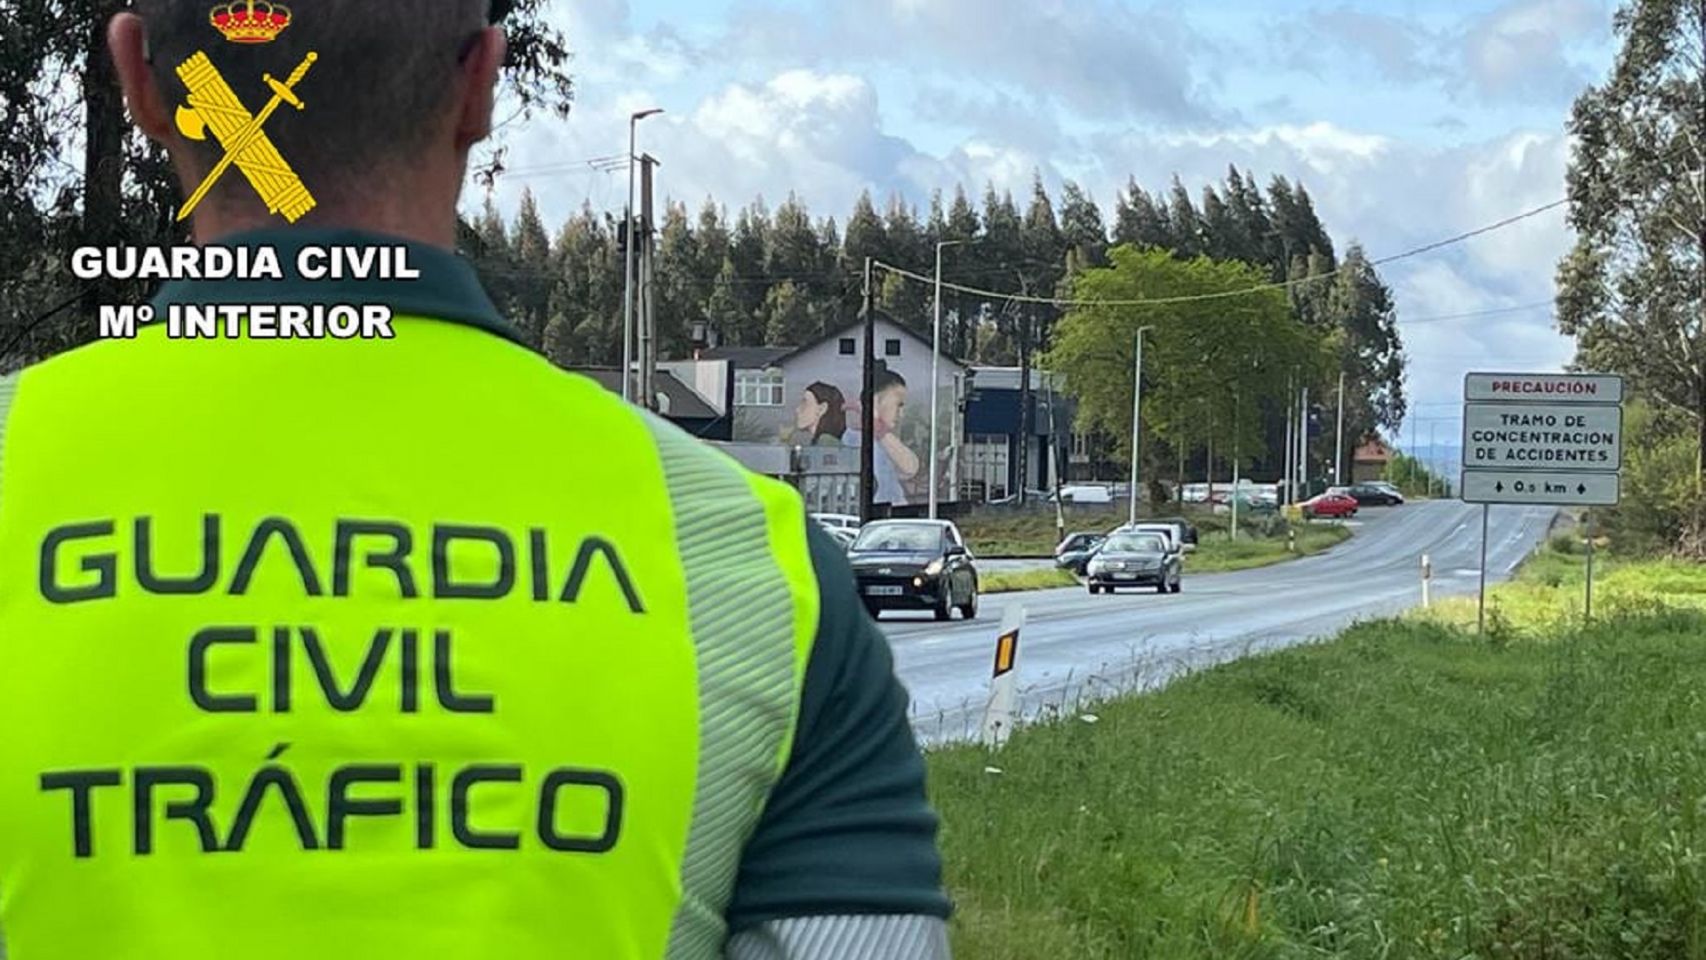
(1189, 529)
(1137, 559)
(1369, 495)
(1076, 550)
(914, 565)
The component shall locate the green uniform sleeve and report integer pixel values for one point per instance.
(847, 830)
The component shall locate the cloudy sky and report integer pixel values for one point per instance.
(1408, 121)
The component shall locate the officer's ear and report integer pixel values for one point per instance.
(127, 39)
(481, 60)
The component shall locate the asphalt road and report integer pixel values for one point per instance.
(1075, 645)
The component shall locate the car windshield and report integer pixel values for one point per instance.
(1135, 543)
(899, 538)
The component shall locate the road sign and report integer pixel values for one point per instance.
(1543, 387)
(1543, 436)
(1552, 488)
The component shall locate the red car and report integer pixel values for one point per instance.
(1330, 505)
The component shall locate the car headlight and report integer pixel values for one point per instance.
(934, 568)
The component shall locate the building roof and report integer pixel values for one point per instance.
(748, 358)
(1007, 378)
(761, 358)
(684, 402)
(1373, 450)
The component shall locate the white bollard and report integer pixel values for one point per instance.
(999, 713)
(1427, 579)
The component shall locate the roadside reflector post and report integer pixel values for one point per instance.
(999, 715)
(1291, 539)
(1427, 579)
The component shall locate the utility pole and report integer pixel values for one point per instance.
(935, 371)
(628, 260)
(1237, 409)
(1339, 438)
(867, 409)
(1303, 445)
(1415, 424)
(1136, 417)
(1023, 460)
(648, 317)
(1432, 464)
(1286, 458)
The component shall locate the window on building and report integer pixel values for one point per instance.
(759, 388)
(891, 348)
(849, 347)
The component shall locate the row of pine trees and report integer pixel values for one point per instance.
(782, 277)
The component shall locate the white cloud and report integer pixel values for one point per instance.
(788, 107)
(1101, 58)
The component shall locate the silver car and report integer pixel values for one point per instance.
(1136, 560)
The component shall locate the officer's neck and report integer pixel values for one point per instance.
(410, 222)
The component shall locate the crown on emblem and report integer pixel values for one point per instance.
(251, 21)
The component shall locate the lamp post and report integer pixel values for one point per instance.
(935, 368)
(628, 260)
(1136, 415)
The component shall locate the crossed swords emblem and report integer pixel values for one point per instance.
(213, 106)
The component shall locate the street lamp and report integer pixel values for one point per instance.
(628, 261)
(1136, 413)
(935, 367)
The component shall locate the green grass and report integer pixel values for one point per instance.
(1004, 581)
(1218, 554)
(995, 532)
(1410, 790)
(1550, 590)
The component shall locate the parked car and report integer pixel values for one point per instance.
(1188, 528)
(1075, 551)
(1085, 493)
(1330, 504)
(1177, 532)
(1133, 559)
(843, 521)
(1369, 495)
(1389, 487)
(842, 536)
(914, 565)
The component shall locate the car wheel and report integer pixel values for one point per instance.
(945, 604)
(1178, 585)
(968, 610)
(1161, 587)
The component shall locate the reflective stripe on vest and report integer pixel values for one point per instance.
(402, 648)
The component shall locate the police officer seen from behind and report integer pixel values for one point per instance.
(414, 647)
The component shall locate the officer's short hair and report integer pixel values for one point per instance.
(375, 96)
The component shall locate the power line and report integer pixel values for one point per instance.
(1225, 294)
(1478, 313)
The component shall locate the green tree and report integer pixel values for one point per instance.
(1633, 290)
(530, 281)
(788, 321)
(1081, 226)
(1205, 361)
(1140, 221)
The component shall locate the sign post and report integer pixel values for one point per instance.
(1541, 438)
(1003, 693)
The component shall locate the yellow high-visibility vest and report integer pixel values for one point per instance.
(416, 647)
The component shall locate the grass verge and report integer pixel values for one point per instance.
(1004, 581)
(1408, 790)
(1218, 554)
